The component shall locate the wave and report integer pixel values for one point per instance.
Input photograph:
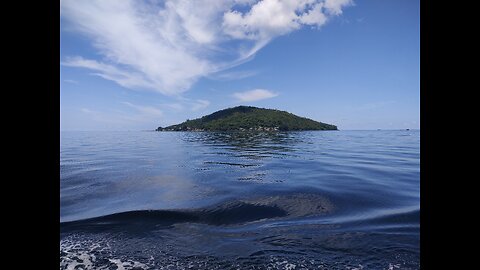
(228, 213)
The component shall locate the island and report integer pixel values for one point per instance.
(248, 118)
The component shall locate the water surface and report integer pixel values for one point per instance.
(240, 200)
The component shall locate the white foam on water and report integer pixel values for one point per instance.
(76, 255)
(80, 254)
(290, 266)
(360, 267)
(393, 266)
(129, 264)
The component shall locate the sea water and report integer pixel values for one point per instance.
(240, 200)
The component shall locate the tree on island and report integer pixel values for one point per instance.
(247, 118)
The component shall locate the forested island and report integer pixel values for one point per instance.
(247, 118)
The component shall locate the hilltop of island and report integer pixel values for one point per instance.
(247, 118)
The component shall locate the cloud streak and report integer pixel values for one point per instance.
(71, 81)
(254, 95)
(166, 46)
(233, 75)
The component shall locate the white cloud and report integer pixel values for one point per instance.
(335, 6)
(254, 95)
(265, 20)
(166, 46)
(315, 16)
(268, 19)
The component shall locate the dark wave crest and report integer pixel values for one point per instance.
(144, 219)
(229, 213)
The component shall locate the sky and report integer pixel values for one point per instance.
(141, 64)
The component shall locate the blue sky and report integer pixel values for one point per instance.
(137, 65)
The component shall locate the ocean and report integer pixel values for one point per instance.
(240, 200)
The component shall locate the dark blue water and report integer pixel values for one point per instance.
(200, 200)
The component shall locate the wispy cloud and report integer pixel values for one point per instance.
(254, 95)
(175, 106)
(71, 81)
(118, 118)
(87, 111)
(112, 119)
(233, 75)
(132, 80)
(167, 46)
(200, 104)
(106, 118)
(185, 104)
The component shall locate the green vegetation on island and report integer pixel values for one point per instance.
(247, 118)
